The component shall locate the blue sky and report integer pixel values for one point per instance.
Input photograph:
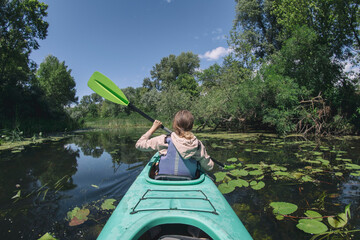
(124, 39)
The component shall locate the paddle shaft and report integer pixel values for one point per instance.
(147, 116)
(165, 128)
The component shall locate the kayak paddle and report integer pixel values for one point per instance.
(107, 89)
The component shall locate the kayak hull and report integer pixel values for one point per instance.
(149, 203)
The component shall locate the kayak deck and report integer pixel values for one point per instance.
(151, 203)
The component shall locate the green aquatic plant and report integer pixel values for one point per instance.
(77, 216)
(108, 204)
(47, 236)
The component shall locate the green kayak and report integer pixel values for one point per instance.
(163, 209)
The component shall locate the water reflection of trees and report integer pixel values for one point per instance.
(37, 167)
(121, 146)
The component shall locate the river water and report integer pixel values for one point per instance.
(42, 184)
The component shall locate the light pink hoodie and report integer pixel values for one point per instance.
(192, 148)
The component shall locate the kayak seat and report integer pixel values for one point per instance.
(179, 237)
(172, 177)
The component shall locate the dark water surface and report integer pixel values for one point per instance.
(88, 168)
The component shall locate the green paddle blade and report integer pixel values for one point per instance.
(103, 86)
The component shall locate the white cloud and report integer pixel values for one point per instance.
(216, 53)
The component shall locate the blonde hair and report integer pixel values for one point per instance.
(183, 123)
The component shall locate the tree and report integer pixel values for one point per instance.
(21, 25)
(56, 81)
(170, 68)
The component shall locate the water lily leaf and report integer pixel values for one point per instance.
(78, 216)
(239, 173)
(278, 173)
(277, 168)
(255, 166)
(315, 215)
(256, 172)
(258, 186)
(297, 175)
(311, 226)
(325, 162)
(232, 160)
(283, 208)
(317, 153)
(339, 174)
(307, 179)
(232, 166)
(356, 174)
(279, 217)
(247, 150)
(339, 221)
(238, 183)
(352, 166)
(253, 183)
(47, 236)
(224, 188)
(220, 176)
(108, 204)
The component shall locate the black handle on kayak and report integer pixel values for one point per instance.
(147, 117)
(166, 129)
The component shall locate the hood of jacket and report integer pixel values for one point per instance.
(186, 147)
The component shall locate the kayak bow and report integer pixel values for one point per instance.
(153, 208)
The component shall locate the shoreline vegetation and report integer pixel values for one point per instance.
(265, 82)
(16, 142)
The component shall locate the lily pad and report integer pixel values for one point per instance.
(258, 186)
(314, 215)
(77, 216)
(220, 176)
(352, 166)
(232, 160)
(312, 226)
(108, 204)
(256, 172)
(224, 188)
(339, 221)
(283, 208)
(239, 173)
(356, 174)
(47, 236)
(238, 183)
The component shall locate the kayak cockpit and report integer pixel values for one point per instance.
(175, 232)
(170, 179)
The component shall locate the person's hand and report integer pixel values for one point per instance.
(156, 125)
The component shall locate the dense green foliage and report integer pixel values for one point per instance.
(293, 67)
(30, 101)
(288, 71)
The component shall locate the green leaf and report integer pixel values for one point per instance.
(239, 173)
(220, 176)
(258, 186)
(238, 183)
(108, 204)
(224, 188)
(339, 221)
(232, 160)
(77, 216)
(283, 208)
(94, 186)
(47, 236)
(315, 215)
(351, 166)
(311, 226)
(256, 172)
(356, 174)
(307, 178)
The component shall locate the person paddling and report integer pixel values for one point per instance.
(182, 154)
